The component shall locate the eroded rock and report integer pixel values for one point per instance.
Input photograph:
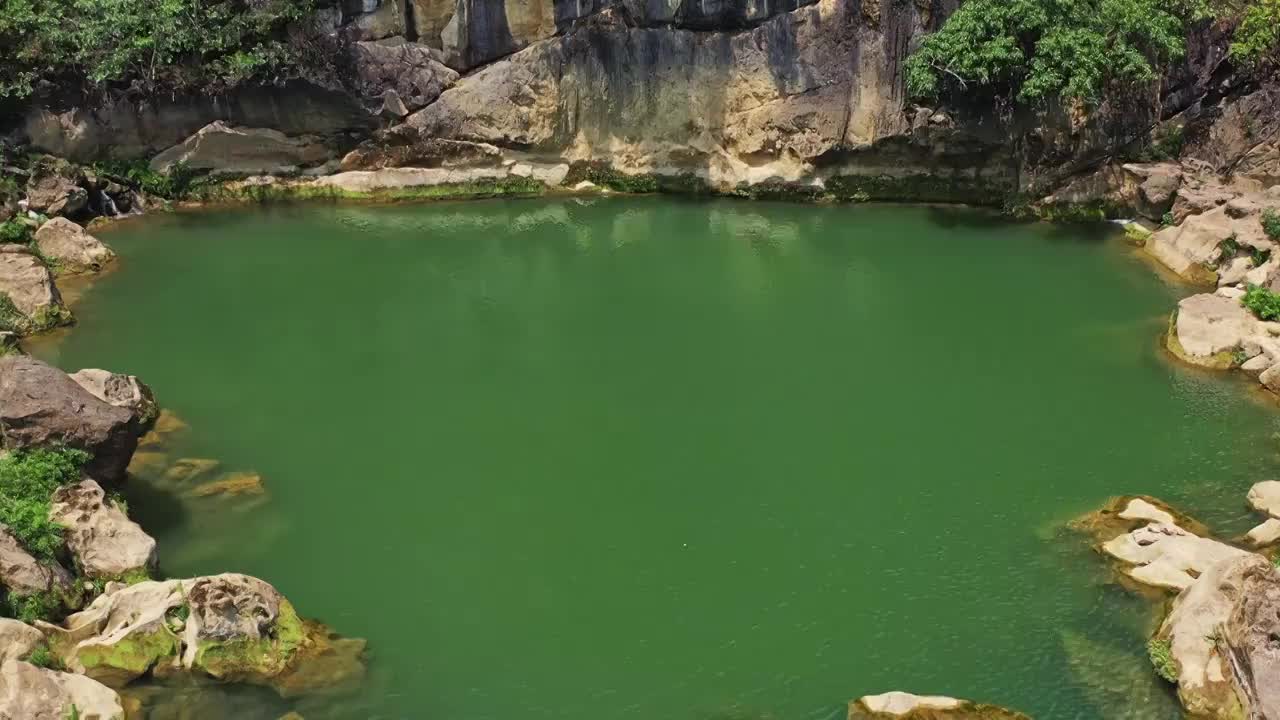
(17, 640)
(41, 406)
(1165, 555)
(23, 575)
(52, 192)
(73, 249)
(30, 288)
(1209, 325)
(410, 72)
(219, 148)
(123, 391)
(31, 693)
(103, 540)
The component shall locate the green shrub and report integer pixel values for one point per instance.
(28, 479)
(43, 657)
(1271, 223)
(1264, 303)
(1161, 655)
(29, 608)
(13, 231)
(1258, 35)
(1167, 220)
(175, 184)
(11, 319)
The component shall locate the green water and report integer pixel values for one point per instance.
(647, 459)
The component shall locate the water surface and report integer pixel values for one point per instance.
(656, 460)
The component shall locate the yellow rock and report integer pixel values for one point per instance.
(238, 483)
(148, 462)
(187, 469)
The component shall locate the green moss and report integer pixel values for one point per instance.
(1161, 655)
(277, 192)
(255, 660)
(1086, 212)
(132, 656)
(1136, 234)
(44, 657)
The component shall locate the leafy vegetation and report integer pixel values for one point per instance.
(1040, 49)
(29, 608)
(1258, 35)
(28, 479)
(146, 43)
(12, 231)
(1264, 303)
(175, 184)
(1271, 223)
(43, 657)
(1161, 655)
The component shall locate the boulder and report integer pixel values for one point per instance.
(103, 540)
(398, 77)
(52, 192)
(222, 149)
(23, 575)
(1194, 247)
(123, 391)
(405, 147)
(73, 249)
(1220, 640)
(1266, 533)
(31, 291)
(41, 406)
(1164, 555)
(28, 692)
(231, 627)
(1209, 325)
(1265, 497)
(17, 640)
(925, 707)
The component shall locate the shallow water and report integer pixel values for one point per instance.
(650, 459)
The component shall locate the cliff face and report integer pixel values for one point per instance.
(734, 93)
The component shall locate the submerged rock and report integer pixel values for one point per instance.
(237, 483)
(28, 692)
(73, 249)
(41, 406)
(933, 707)
(231, 627)
(104, 541)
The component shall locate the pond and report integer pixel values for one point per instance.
(631, 459)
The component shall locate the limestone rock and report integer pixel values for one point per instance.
(236, 628)
(1264, 534)
(1270, 378)
(30, 288)
(73, 249)
(23, 575)
(17, 640)
(1219, 634)
(1167, 556)
(31, 693)
(410, 71)
(53, 193)
(405, 147)
(124, 391)
(1265, 497)
(1158, 189)
(239, 483)
(1209, 324)
(1140, 509)
(103, 540)
(932, 707)
(1191, 248)
(222, 149)
(41, 406)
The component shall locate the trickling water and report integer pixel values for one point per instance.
(645, 459)
(107, 204)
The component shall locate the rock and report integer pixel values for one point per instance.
(240, 483)
(410, 72)
(73, 249)
(222, 149)
(933, 707)
(31, 693)
(123, 391)
(1140, 509)
(1257, 364)
(17, 640)
(1270, 378)
(236, 628)
(187, 469)
(1219, 637)
(1265, 497)
(41, 406)
(1166, 556)
(407, 148)
(30, 288)
(23, 575)
(1191, 248)
(103, 540)
(1208, 325)
(1265, 534)
(1158, 189)
(52, 193)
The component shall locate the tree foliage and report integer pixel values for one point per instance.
(1034, 50)
(175, 43)
(1258, 35)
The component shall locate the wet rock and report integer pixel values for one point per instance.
(23, 575)
(41, 406)
(1142, 509)
(918, 707)
(31, 693)
(1218, 635)
(1209, 325)
(411, 72)
(103, 540)
(231, 627)
(30, 288)
(123, 391)
(73, 249)
(222, 149)
(1167, 556)
(187, 469)
(240, 483)
(17, 640)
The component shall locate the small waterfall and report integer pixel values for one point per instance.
(107, 204)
